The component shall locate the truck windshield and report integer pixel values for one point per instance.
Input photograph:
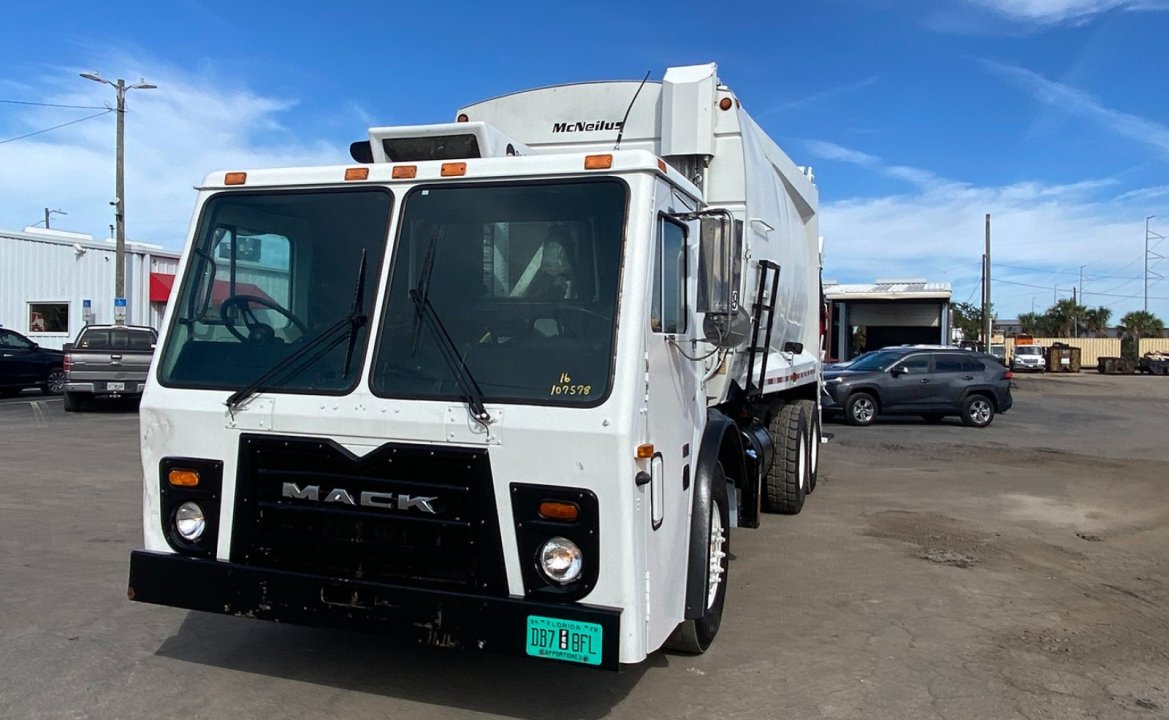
(523, 279)
(268, 273)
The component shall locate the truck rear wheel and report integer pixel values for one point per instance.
(695, 635)
(787, 480)
(813, 413)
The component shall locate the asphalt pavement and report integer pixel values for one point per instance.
(1020, 571)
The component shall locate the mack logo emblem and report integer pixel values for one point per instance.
(593, 126)
(392, 501)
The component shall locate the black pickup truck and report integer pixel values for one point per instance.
(25, 364)
(107, 361)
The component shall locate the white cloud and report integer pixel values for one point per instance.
(194, 123)
(826, 94)
(1057, 11)
(1041, 233)
(1078, 102)
(831, 151)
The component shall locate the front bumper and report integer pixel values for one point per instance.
(828, 402)
(428, 617)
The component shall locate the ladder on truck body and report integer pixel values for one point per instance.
(766, 267)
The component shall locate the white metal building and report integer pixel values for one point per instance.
(53, 283)
(887, 312)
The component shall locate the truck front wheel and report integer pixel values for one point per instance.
(695, 636)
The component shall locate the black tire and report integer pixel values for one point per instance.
(812, 411)
(54, 382)
(933, 418)
(861, 409)
(787, 479)
(977, 411)
(694, 636)
(72, 402)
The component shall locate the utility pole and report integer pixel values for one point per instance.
(986, 319)
(1154, 236)
(119, 201)
(1075, 314)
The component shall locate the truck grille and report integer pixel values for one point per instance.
(420, 516)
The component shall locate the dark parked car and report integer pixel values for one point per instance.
(24, 364)
(911, 381)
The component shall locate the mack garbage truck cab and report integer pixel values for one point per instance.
(505, 383)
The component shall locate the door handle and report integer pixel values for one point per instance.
(924, 381)
(967, 377)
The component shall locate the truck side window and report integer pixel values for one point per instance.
(668, 306)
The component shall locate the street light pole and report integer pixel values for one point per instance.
(49, 212)
(119, 202)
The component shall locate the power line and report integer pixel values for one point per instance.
(56, 127)
(1063, 272)
(1086, 292)
(54, 105)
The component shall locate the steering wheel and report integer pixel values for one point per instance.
(258, 331)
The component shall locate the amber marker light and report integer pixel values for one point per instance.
(183, 478)
(404, 172)
(662, 166)
(598, 162)
(453, 169)
(645, 451)
(725, 103)
(555, 510)
(235, 178)
(358, 173)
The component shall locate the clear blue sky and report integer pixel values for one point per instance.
(919, 116)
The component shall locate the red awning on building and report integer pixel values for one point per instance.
(162, 284)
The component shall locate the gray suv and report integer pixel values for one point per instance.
(909, 381)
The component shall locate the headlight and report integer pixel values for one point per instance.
(561, 561)
(189, 521)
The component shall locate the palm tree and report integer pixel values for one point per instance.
(1143, 323)
(1030, 323)
(1096, 321)
(1065, 316)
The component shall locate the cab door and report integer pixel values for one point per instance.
(675, 411)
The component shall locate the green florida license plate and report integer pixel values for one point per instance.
(569, 640)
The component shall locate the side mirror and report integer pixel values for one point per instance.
(898, 371)
(720, 266)
(720, 271)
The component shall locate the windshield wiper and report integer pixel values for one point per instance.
(423, 290)
(300, 359)
(355, 313)
(472, 393)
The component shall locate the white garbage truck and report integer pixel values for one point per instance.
(504, 383)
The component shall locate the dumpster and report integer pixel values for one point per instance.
(1155, 363)
(1063, 358)
(1115, 366)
